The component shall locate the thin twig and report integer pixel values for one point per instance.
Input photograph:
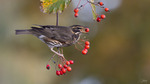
(51, 58)
(57, 58)
(83, 5)
(57, 19)
(80, 44)
(94, 11)
(78, 3)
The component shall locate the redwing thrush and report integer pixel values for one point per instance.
(55, 36)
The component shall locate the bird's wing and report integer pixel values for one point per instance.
(62, 34)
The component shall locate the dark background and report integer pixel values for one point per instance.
(119, 53)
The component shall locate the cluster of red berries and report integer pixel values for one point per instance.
(99, 17)
(102, 4)
(86, 47)
(62, 68)
(76, 10)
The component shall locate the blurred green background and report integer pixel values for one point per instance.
(119, 53)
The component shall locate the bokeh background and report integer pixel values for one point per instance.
(119, 53)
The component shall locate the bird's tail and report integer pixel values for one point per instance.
(23, 32)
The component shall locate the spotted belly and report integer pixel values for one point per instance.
(54, 44)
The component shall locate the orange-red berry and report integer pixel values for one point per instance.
(101, 3)
(76, 14)
(57, 73)
(98, 19)
(71, 61)
(59, 66)
(65, 66)
(87, 43)
(67, 63)
(106, 9)
(76, 10)
(86, 46)
(84, 51)
(103, 16)
(87, 30)
(61, 73)
(63, 70)
(48, 66)
(69, 68)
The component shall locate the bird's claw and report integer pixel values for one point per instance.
(61, 55)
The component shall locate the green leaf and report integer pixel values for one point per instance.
(54, 6)
(93, 10)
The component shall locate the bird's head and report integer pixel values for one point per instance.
(78, 29)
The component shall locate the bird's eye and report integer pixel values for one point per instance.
(78, 28)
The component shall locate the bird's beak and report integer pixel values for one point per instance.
(83, 30)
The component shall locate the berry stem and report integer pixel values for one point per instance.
(94, 11)
(80, 44)
(51, 58)
(56, 63)
(77, 47)
(93, 3)
(82, 40)
(82, 5)
(78, 3)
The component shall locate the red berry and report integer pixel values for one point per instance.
(57, 73)
(76, 14)
(71, 61)
(61, 73)
(87, 46)
(101, 3)
(84, 51)
(69, 68)
(63, 70)
(76, 10)
(106, 9)
(103, 16)
(98, 19)
(67, 63)
(48, 66)
(59, 65)
(87, 43)
(65, 66)
(87, 30)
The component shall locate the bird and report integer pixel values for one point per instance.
(55, 36)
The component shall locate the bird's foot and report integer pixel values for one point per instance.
(60, 55)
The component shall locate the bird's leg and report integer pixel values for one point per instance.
(56, 52)
(60, 59)
(63, 58)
